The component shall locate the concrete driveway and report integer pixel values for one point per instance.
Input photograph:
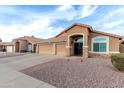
(12, 78)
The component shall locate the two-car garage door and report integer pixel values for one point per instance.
(58, 49)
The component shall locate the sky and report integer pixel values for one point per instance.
(45, 21)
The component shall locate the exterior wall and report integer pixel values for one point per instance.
(37, 48)
(113, 42)
(67, 48)
(64, 34)
(45, 48)
(17, 46)
(113, 45)
(78, 30)
(121, 48)
(23, 45)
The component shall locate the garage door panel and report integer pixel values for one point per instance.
(46, 49)
(61, 49)
(9, 49)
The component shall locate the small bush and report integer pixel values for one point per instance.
(118, 61)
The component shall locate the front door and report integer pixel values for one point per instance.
(78, 48)
(29, 47)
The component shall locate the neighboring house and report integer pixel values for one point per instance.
(122, 47)
(26, 44)
(7, 47)
(80, 39)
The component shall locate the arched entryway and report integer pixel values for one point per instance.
(76, 43)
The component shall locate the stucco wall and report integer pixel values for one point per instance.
(77, 29)
(121, 48)
(23, 45)
(113, 42)
(114, 45)
(65, 49)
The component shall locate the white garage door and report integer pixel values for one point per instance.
(29, 47)
(9, 49)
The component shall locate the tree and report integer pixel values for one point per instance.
(0, 40)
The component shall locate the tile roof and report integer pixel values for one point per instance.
(63, 38)
(91, 29)
(59, 38)
(6, 43)
(55, 39)
(75, 24)
(30, 39)
(109, 34)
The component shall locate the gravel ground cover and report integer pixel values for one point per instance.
(91, 73)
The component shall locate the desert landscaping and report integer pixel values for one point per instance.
(73, 72)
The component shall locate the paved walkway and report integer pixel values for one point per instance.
(12, 78)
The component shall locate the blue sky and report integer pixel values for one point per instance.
(47, 21)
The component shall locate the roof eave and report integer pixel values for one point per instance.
(109, 34)
(78, 24)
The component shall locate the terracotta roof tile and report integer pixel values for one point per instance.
(30, 39)
(55, 39)
(109, 34)
(59, 38)
(6, 43)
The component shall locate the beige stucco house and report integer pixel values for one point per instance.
(26, 44)
(7, 47)
(80, 39)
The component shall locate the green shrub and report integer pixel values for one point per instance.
(118, 61)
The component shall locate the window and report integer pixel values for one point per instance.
(99, 44)
(79, 40)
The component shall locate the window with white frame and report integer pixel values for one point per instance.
(99, 44)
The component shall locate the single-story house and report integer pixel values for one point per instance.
(80, 39)
(26, 44)
(7, 47)
(122, 47)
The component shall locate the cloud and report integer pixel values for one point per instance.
(113, 24)
(33, 23)
(17, 30)
(64, 13)
(42, 24)
(49, 32)
(87, 10)
(64, 7)
(112, 21)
